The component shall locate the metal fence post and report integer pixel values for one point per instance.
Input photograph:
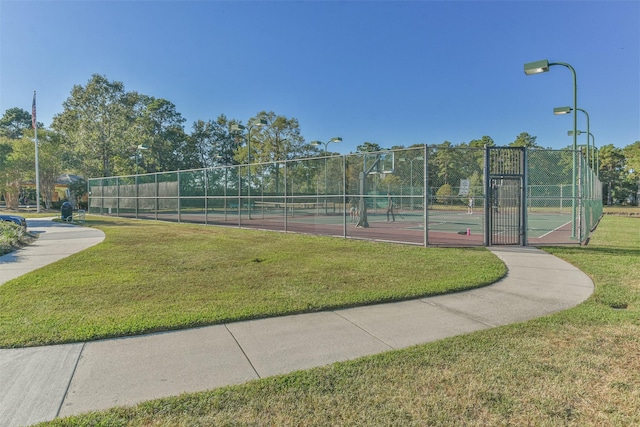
(156, 196)
(117, 196)
(487, 198)
(425, 195)
(344, 196)
(206, 198)
(524, 196)
(137, 195)
(286, 186)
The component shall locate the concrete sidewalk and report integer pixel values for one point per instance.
(56, 240)
(42, 383)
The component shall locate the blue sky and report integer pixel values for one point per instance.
(392, 73)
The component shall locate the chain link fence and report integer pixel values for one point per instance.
(424, 195)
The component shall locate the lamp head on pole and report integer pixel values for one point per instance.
(259, 122)
(237, 127)
(334, 139)
(562, 110)
(536, 67)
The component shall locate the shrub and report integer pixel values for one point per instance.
(11, 236)
(444, 193)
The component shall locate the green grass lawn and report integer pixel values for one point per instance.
(579, 367)
(152, 276)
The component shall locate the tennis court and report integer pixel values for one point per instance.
(492, 196)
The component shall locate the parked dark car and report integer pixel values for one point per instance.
(20, 220)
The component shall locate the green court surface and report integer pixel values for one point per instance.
(451, 221)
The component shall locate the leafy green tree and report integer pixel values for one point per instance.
(160, 129)
(443, 161)
(5, 151)
(475, 184)
(78, 190)
(444, 193)
(391, 183)
(480, 143)
(525, 140)
(476, 156)
(632, 156)
(21, 163)
(279, 140)
(612, 173)
(368, 147)
(95, 121)
(209, 143)
(14, 122)
(18, 166)
(52, 153)
(409, 167)
(227, 142)
(212, 144)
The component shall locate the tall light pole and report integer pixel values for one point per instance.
(411, 175)
(543, 66)
(34, 124)
(596, 156)
(138, 154)
(238, 128)
(220, 159)
(567, 110)
(336, 140)
(595, 164)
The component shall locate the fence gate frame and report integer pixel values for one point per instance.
(505, 181)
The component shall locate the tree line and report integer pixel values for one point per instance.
(104, 130)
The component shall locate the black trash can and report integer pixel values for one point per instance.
(67, 211)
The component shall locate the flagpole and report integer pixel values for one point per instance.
(35, 128)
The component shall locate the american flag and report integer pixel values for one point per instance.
(33, 111)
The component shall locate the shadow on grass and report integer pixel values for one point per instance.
(598, 251)
(95, 223)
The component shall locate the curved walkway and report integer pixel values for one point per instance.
(39, 384)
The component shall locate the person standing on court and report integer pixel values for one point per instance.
(390, 209)
(353, 210)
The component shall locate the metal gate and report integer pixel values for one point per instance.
(505, 178)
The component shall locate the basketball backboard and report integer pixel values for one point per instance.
(379, 162)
